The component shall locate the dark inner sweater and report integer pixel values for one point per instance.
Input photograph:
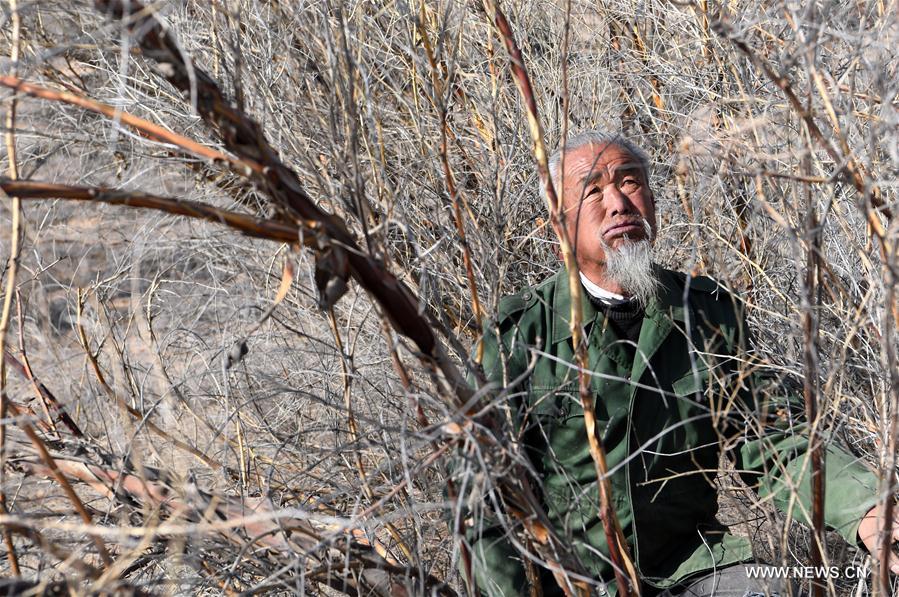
(625, 319)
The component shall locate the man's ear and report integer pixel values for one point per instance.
(557, 250)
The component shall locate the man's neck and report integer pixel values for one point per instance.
(600, 293)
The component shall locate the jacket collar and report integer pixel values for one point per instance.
(669, 300)
(561, 308)
(667, 305)
(661, 313)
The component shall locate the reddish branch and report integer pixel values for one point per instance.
(59, 477)
(56, 409)
(810, 391)
(145, 127)
(625, 572)
(440, 102)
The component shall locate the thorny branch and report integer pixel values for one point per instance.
(169, 298)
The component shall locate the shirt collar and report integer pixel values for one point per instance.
(604, 296)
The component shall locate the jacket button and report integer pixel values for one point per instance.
(526, 296)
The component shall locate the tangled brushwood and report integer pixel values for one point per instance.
(250, 246)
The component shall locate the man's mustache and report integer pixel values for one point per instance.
(638, 221)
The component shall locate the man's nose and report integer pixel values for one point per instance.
(617, 202)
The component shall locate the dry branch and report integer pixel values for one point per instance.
(302, 533)
(145, 127)
(249, 225)
(46, 397)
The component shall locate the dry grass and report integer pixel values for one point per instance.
(313, 439)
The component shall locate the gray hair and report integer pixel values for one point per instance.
(596, 137)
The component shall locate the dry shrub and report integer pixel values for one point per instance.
(305, 461)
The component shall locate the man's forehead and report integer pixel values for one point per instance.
(594, 159)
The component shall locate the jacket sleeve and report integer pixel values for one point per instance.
(773, 456)
(496, 563)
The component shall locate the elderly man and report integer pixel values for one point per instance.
(674, 387)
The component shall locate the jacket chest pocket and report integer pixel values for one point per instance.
(692, 405)
(552, 402)
(557, 422)
(692, 385)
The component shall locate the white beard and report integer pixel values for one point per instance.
(630, 266)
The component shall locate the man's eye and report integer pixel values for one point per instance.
(630, 183)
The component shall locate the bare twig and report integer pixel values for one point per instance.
(12, 269)
(147, 128)
(249, 225)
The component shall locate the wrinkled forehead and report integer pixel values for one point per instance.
(595, 160)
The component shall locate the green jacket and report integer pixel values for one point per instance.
(664, 410)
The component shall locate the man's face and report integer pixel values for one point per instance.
(607, 200)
